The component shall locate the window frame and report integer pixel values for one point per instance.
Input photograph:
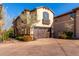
(44, 15)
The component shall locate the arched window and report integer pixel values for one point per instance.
(45, 16)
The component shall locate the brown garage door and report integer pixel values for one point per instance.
(41, 32)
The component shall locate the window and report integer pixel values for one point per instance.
(45, 20)
(45, 16)
(27, 15)
(73, 15)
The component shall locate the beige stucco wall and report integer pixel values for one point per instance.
(40, 17)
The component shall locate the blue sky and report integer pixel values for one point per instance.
(14, 9)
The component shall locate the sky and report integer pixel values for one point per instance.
(12, 10)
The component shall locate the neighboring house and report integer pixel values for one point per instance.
(40, 29)
(67, 22)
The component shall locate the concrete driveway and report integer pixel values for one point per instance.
(41, 47)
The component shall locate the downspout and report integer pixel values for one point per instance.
(75, 25)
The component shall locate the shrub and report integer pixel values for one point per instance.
(69, 34)
(11, 33)
(4, 36)
(65, 35)
(27, 38)
(24, 38)
(19, 38)
(62, 35)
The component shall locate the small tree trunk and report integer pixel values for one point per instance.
(31, 33)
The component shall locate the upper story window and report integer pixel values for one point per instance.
(72, 15)
(45, 20)
(45, 16)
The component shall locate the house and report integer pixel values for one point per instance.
(67, 22)
(40, 29)
(47, 25)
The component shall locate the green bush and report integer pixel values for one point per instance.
(11, 33)
(19, 38)
(4, 36)
(69, 34)
(65, 35)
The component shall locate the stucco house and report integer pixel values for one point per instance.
(67, 22)
(40, 29)
(48, 25)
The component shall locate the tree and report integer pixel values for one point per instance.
(1, 17)
(31, 20)
(30, 23)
